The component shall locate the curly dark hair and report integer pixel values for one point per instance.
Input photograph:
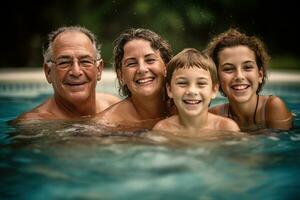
(233, 37)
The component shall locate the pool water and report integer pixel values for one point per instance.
(80, 161)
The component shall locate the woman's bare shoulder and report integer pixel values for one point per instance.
(276, 109)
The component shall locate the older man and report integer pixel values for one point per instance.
(73, 65)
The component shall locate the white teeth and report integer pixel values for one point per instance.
(141, 81)
(239, 87)
(191, 101)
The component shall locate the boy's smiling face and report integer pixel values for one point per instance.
(192, 90)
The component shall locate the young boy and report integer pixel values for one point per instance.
(192, 82)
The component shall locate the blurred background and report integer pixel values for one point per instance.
(184, 23)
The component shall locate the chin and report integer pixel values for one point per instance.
(79, 97)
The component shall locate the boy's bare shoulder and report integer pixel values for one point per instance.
(224, 123)
(167, 124)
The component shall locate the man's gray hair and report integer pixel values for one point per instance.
(48, 48)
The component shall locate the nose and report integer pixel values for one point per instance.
(75, 69)
(191, 90)
(143, 68)
(239, 74)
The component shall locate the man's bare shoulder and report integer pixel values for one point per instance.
(105, 100)
(40, 112)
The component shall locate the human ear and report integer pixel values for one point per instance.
(47, 71)
(165, 71)
(215, 90)
(169, 92)
(99, 66)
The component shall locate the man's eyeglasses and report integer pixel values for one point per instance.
(67, 63)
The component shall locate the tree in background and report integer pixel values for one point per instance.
(188, 23)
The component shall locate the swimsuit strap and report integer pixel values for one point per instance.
(254, 116)
(263, 112)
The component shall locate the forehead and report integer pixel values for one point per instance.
(191, 73)
(72, 43)
(138, 47)
(236, 53)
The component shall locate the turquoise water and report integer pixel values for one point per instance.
(80, 161)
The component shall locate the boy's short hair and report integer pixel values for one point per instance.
(189, 58)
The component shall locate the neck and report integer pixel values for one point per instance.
(76, 110)
(245, 113)
(194, 123)
(149, 108)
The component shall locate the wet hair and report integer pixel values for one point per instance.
(190, 58)
(232, 38)
(156, 43)
(48, 47)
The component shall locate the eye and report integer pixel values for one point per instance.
(86, 62)
(202, 84)
(248, 67)
(181, 83)
(150, 60)
(228, 69)
(131, 64)
(63, 63)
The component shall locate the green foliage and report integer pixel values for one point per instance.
(285, 62)
(189, 23)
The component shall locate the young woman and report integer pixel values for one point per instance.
(242, 62)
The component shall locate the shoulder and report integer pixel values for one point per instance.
(106, 100)
(276, 109)
(219, 109)
(277, 114)
(166, 124)
(224, 123)
(40, 112)
(115, 113)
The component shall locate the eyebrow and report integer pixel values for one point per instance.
(203, 79)
(185, 77)
(134, 59)
(247, 61)
(151, 54)
(71, 57)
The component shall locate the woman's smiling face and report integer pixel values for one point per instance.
(238, 73)
(143, 70)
